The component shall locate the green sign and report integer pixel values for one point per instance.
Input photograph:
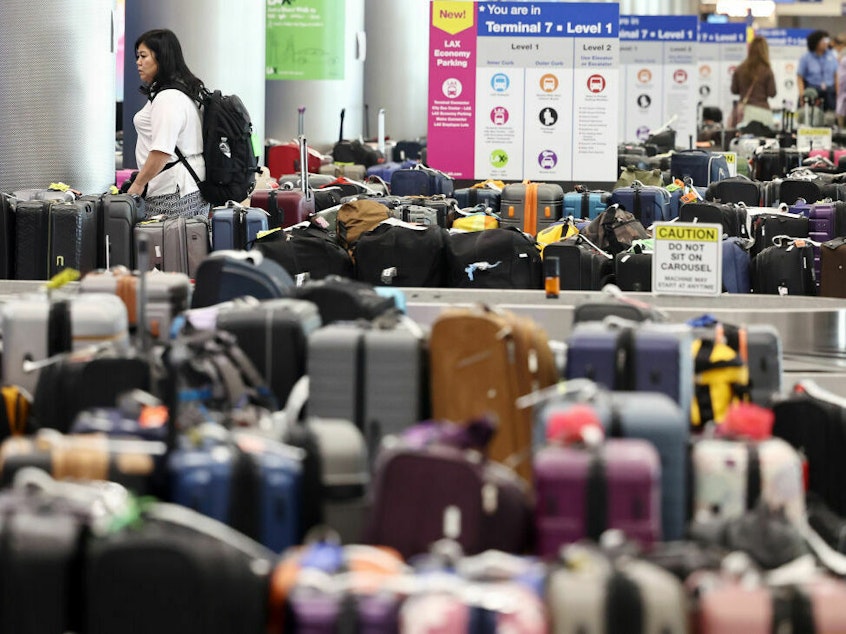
(305, 39)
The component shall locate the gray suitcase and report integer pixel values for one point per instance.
(34, 329)
(347, 170)
(168, 294)
(177, 245)
(370, 373)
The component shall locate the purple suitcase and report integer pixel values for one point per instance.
(823, 226)
(287, 206)
(632, 357)
(581, 492)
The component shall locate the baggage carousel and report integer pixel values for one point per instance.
(812, 329)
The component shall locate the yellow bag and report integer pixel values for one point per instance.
(556, 232)
(477, 221)
(721, 379)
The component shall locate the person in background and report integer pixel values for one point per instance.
(818, 70)
(170, 120)
(754, 82)
(840, 80)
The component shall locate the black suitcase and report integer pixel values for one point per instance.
(402, 255)
(117, 216)
(7, 238)
(343, 299)
(736, 189)
(582, 267)
(494, 258)
(784, 270)
(306, 251)
(730, 216)
(767, 226)
(792, 189)
(633, 271)
(52, 236)
(775, 163)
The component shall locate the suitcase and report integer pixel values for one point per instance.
(472, 196)
(417, 214)
(735, 189)
(633, 271)
(647, 204)
(274, 335)
(732, 217)
(52, 236)
(288, 205)
(349, 170)
(833, 268)
(7, 237)
(35, 328)
(531, 206)
(444, 207)
(287, 158)
(306, 251)
(731, 477)
(373, 374)
(421, 181)
(825, 219)
(768, 164)
(407, 150)
(118, 214)
(136, 574)
(248, 482)
(647, 416)
(582, 266)
(638, 357)
(343, 299)
(402, 254)
(480, 362)
(177, 245)
(58, 194)
(494, 258)
(226, 275)
(785, 270)
(701, 166)
(236, 227)
(736, 265)
(168, 294)
(585, 204)
(581, 492)
(791, 190)
(385, 171)
(766, 226)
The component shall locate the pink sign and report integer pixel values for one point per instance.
(452, 87)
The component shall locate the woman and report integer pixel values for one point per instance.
(754, 82)
(817, 70)
(169, 120)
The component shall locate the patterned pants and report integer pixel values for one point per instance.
(174, 206)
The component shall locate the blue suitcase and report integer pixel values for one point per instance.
(246, 481)
(385, 171)
(236, 227)
(700, 166)
(736, 265)
(676, 202)
(634, 357)
(648, 203)
(585, 204)
(471, 196)
(647, 416)
(421, 181)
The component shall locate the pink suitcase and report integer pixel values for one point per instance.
(581, 492)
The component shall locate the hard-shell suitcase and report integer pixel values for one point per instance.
(633, 271)
(472, 196)
(373, 375)
(735, 189)
(168, 294)
(36, 328)
(236, 227)
(701, 166)
(177, 245)
(52, 236)
(226, 275)
(833, 268)
(585, 204)
(581, 492)
(397, 253)
(288, 206)
(731, 477)
(785, 270)
(644, 357)
(306, 250)
(274, 335)
(647, 203)
(582, 267)
(531, 206)
(494, 258)
(825, 219)
(118, 214)
(648, 416)
(421, 181)
(248, 482)
(768, 164)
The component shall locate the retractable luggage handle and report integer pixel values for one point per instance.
(304, 166)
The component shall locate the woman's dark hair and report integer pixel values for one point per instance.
(172, 69)
(814, 39)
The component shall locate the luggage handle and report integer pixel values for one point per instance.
(586, 390)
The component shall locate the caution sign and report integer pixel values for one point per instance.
(687, 259)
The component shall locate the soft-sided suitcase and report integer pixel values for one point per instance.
(370, 373)
(274, 335)
(342, 299)
(385, 171)
(585, 204)
(766, 226)
(730, 216)
(647, 203)
(582, 267)
(306, 250)
(791, 190)
(397, 253)
(785, 270)
(494, 258)
(651, 417)
(348, 170)
(421, 181)
(236, 227)
(638, 357)
(768, 164)
(825, 219)
(701, 166)
(35, 328)
(118, 214)
(833, 268)
(52, 236)
(226, 275)
(177, 245)
(168, 294)
(472, 196)
(582, 491)
(480, 362)
(633, 271)
(736, 265)
(248, 482)
(531, 206)
(735, 189)
(7, 237)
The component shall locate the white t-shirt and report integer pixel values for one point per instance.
(169, 121)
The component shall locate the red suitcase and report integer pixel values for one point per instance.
(287, 205)
(286, 158)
